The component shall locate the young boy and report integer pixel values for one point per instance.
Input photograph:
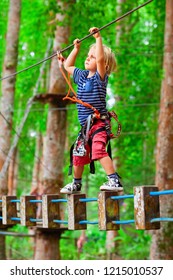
(92, 83)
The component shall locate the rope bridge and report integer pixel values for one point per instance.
(24, 210)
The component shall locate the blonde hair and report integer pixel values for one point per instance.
(110, 60)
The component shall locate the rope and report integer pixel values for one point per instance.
(161, 219)
(165, 192)
(84, 38)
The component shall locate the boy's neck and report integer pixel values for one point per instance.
(90, 74)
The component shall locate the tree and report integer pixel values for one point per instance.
(162, 241)
(47, 243)
(8, 90)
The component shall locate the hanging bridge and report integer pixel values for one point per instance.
(24, 211)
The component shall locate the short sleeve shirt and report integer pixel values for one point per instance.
(91, 90)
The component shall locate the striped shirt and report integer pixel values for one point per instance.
(91, 90)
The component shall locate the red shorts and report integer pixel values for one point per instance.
(99, 142)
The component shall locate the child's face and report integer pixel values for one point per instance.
(90, 62)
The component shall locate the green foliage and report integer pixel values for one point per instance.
(93, 249)
(19, 248)
(133, 245)
(3, 27)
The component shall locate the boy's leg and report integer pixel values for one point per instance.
(78, 165)
(107, 164)
(99, 152)
(78, 171)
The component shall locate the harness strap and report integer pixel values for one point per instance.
(71, 160)
(97, 131)
(113, 115)
(92, 167)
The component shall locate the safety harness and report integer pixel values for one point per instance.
(83, 136)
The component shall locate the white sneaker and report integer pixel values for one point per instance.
(112, 184)
(71, 188)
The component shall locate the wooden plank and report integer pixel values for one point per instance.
(146, 207)
(9, 210)
(28, 210)
(76, 212)
(108, 210)
(51, 211)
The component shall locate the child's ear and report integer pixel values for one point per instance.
(107, 68)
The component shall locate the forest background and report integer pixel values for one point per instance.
(133, 93)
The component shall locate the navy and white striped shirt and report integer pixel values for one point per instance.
(91, 90)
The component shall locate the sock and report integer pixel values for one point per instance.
(78, 181)
(113, 176)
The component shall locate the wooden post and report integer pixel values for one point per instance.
(146, 207)
(76, 212)
(36, 175)
(12, 173)
(1, 225)
(51, 211)
(9, 210)
(108, 210)
(28, 210)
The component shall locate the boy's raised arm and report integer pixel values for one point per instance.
(70, 61)
(100, 59)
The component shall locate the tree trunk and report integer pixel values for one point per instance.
(47, 242)
(2, 248)
(12, 175)
(111, 244)
(120, 25)
(36, 176)
(47, 245)
(162, 241)
(8, 85)
(7, 99)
